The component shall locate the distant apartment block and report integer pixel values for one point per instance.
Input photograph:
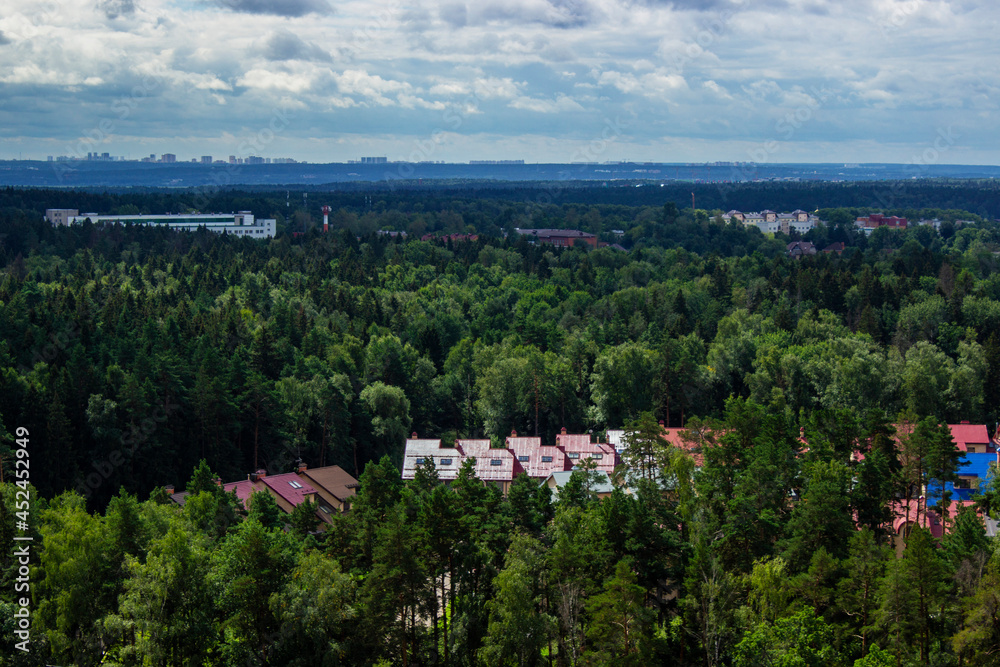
(771, 222)
(60, 216)
(168, 158)
(496, 162)
(374, 160)
(206, 159)
(240, 224)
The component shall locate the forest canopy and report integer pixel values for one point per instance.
(143, 354)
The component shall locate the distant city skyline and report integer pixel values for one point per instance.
(547, 81)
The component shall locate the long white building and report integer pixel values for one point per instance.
(239, 224)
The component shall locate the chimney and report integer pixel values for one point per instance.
(413, 435)
(563, 431)
(662, 425)
(513, 433)
(169, 489)
(301, 468)
(258, 475)
(218, 481)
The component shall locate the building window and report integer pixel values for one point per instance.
(324, 509)
(294, 484)
(598, 456)
(523, 459)
(420, 460)
(573, 455)
(446, 462)
(496, 462)
(546, 459)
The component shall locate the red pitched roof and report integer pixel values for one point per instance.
(966, 434)
(290, 487)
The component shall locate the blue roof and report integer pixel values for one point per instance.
(976, 464)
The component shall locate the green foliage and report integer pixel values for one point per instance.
(801, 640)
(136, 355)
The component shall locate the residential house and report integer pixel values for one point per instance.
(499, 466)
(798, 249)
(330, 487)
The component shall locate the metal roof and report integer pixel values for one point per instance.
(966, 434)
(603, 454)
(532, 455)
(447, 460)
(602, 485)
(492, 464)
(290, 487)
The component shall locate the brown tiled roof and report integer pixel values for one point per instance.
(333, 479)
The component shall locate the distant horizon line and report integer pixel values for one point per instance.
(472, 162)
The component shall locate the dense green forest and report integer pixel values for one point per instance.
(157, 350)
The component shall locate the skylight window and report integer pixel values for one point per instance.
(294, 484)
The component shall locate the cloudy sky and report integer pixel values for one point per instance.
(539, 80)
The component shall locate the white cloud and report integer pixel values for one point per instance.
(715, 70)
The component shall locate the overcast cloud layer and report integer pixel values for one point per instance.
(539, 80)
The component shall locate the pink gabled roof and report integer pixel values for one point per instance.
(423, 448)
(290, 487)
(486, 469)
(529, 453)
(565, 438)
(244, 489)
(603, 454)
(965, 434)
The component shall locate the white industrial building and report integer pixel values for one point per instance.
(238, 224)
